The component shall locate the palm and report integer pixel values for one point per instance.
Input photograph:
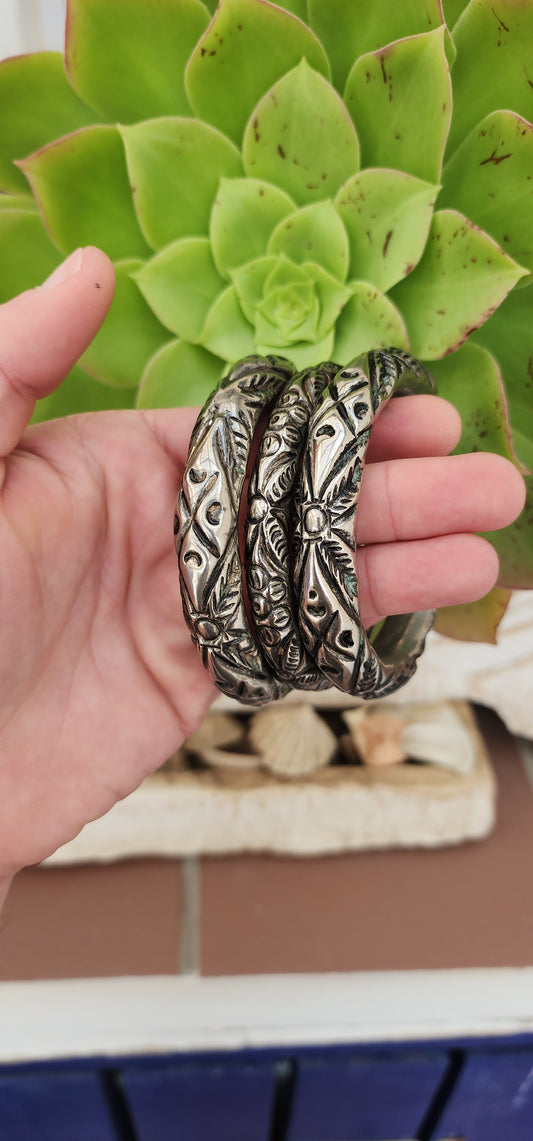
(106, 675)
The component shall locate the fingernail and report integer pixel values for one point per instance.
(67, 269)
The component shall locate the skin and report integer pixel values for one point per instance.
(99, 679)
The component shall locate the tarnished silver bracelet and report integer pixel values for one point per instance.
(267, 530)
(311, 637)
(206, 529)
(326, 498)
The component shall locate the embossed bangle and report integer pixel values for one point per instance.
(267, 538)
(206, 528)
(326, 502)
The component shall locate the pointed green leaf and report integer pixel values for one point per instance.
(129, 336)
(509, 336)
(349, 30)
(400, 99)
(249, 281)
(245, 212)
(332, 296)
(248, 46)
(462, 277)
(515, 547)
(303, 354)
(301, 137)
(81, 393)
(178, 374)
(180, 285)
(387, 215)
(474, 621)
(127, 59)
(452, 10)
(494, 65)
(368, 321)
(175, 166)
(471, 380)
(27, 255)
(289, 309)
(81, 184)
(28, 82)
(490, 179)
(226, 332)
(314, 233)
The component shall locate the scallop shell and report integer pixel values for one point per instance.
(216, 730)
(292, 741)
(433, 732)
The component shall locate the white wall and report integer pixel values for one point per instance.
(31, 25)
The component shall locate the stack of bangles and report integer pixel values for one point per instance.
(278, 608)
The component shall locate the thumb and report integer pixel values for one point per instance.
(44, 331)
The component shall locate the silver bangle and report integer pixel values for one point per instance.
(207, 533)
(326, 503)
(310, 638)
(267, 530)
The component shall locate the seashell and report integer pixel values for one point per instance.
(222, 759)
(377, 735)
(217, 729)
(434, 733)
(292, 741)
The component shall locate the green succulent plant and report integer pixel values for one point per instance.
(313, 177)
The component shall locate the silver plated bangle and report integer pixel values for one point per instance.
(267, 530)
(326, 503)
(207, 534)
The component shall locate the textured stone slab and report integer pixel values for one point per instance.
(340, 808)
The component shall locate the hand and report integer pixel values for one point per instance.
(100, 680)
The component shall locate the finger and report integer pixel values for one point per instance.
(424, 574)
(44, 331)
(417, 498)
(414, 426)
(172, 428)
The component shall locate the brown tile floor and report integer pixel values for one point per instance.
(118, 919)
(457, 907)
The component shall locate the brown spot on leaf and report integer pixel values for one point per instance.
(386, 243)
(203, 51)
(496, 159)
(281, 152)
(441, 312)
(213, 52)
(499, 19)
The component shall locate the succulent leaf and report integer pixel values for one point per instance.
(129, 336)
(244, 214)
(490, 179)
(387, 215)
(27, 82)
(178, 373)
(180, 284)
(287, 143)
(314, 233)
(509, 336)
(349, 30)
(226, 331)
(250, 280)
(474, 621)
(494, 64)
(304, 354)
(369, 320)
(256, 41)
(127, 60)
(175, 165)
(27, 254)
(462, 277)
(406, 88)
(82, 187)
(471, 380)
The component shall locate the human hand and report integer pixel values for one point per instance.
(100, 680)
